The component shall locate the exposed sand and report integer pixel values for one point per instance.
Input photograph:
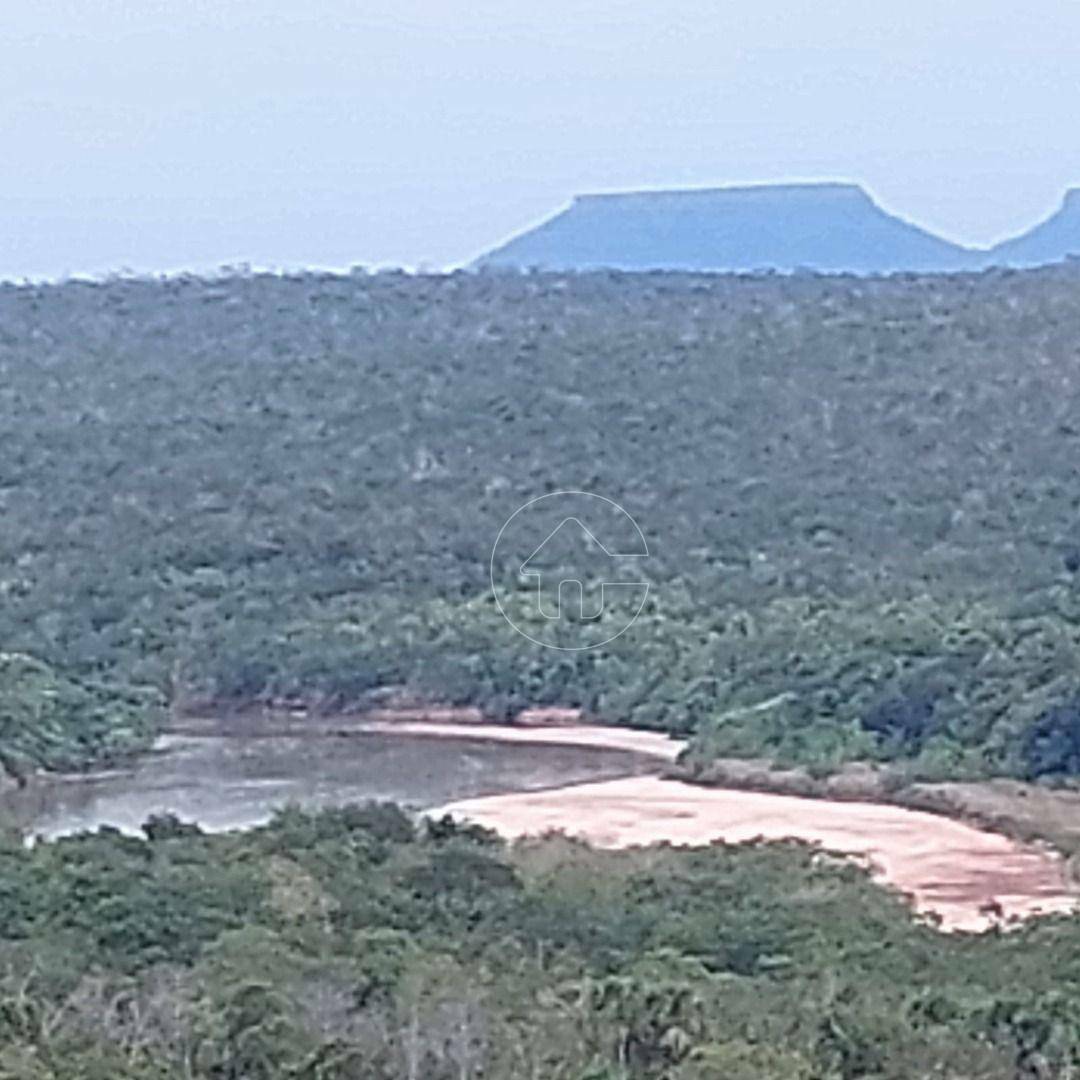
(947, 867)
(970, 878)
(649, 743)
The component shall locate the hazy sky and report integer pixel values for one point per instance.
(158, 136)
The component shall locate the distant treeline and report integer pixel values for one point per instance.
(860, 497)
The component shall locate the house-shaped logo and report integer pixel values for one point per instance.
(567, 572)
(573, 571)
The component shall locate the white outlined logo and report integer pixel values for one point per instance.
(566, 570)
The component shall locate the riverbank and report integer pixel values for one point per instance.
(537, 727)
(651, 744)
(614, 787)
(964, 876)
(227, 774)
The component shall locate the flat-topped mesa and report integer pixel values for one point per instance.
(829, 227)
(760, 194)
(1053, 240)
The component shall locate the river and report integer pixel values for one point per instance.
(234, 776)
(602, 784)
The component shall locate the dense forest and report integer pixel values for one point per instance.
(860, 498)
(351, 946)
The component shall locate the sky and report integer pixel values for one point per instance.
(139, 135)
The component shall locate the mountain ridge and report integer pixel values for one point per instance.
(817, 226)
(1052, 240)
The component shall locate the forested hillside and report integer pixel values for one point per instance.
(860, 498)
(347, 945)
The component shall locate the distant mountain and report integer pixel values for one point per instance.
(1052, 241)
(827, 227)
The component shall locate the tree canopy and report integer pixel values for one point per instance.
(859, 498)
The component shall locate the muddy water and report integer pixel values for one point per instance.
(225, 781)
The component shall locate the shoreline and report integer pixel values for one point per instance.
(967, 876)
(968, 868)
(653, 744)
(969, 879)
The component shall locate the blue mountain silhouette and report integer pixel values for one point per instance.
(823, 227)
(1053, 240)
(788, 227)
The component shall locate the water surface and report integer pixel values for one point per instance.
(226, 781)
